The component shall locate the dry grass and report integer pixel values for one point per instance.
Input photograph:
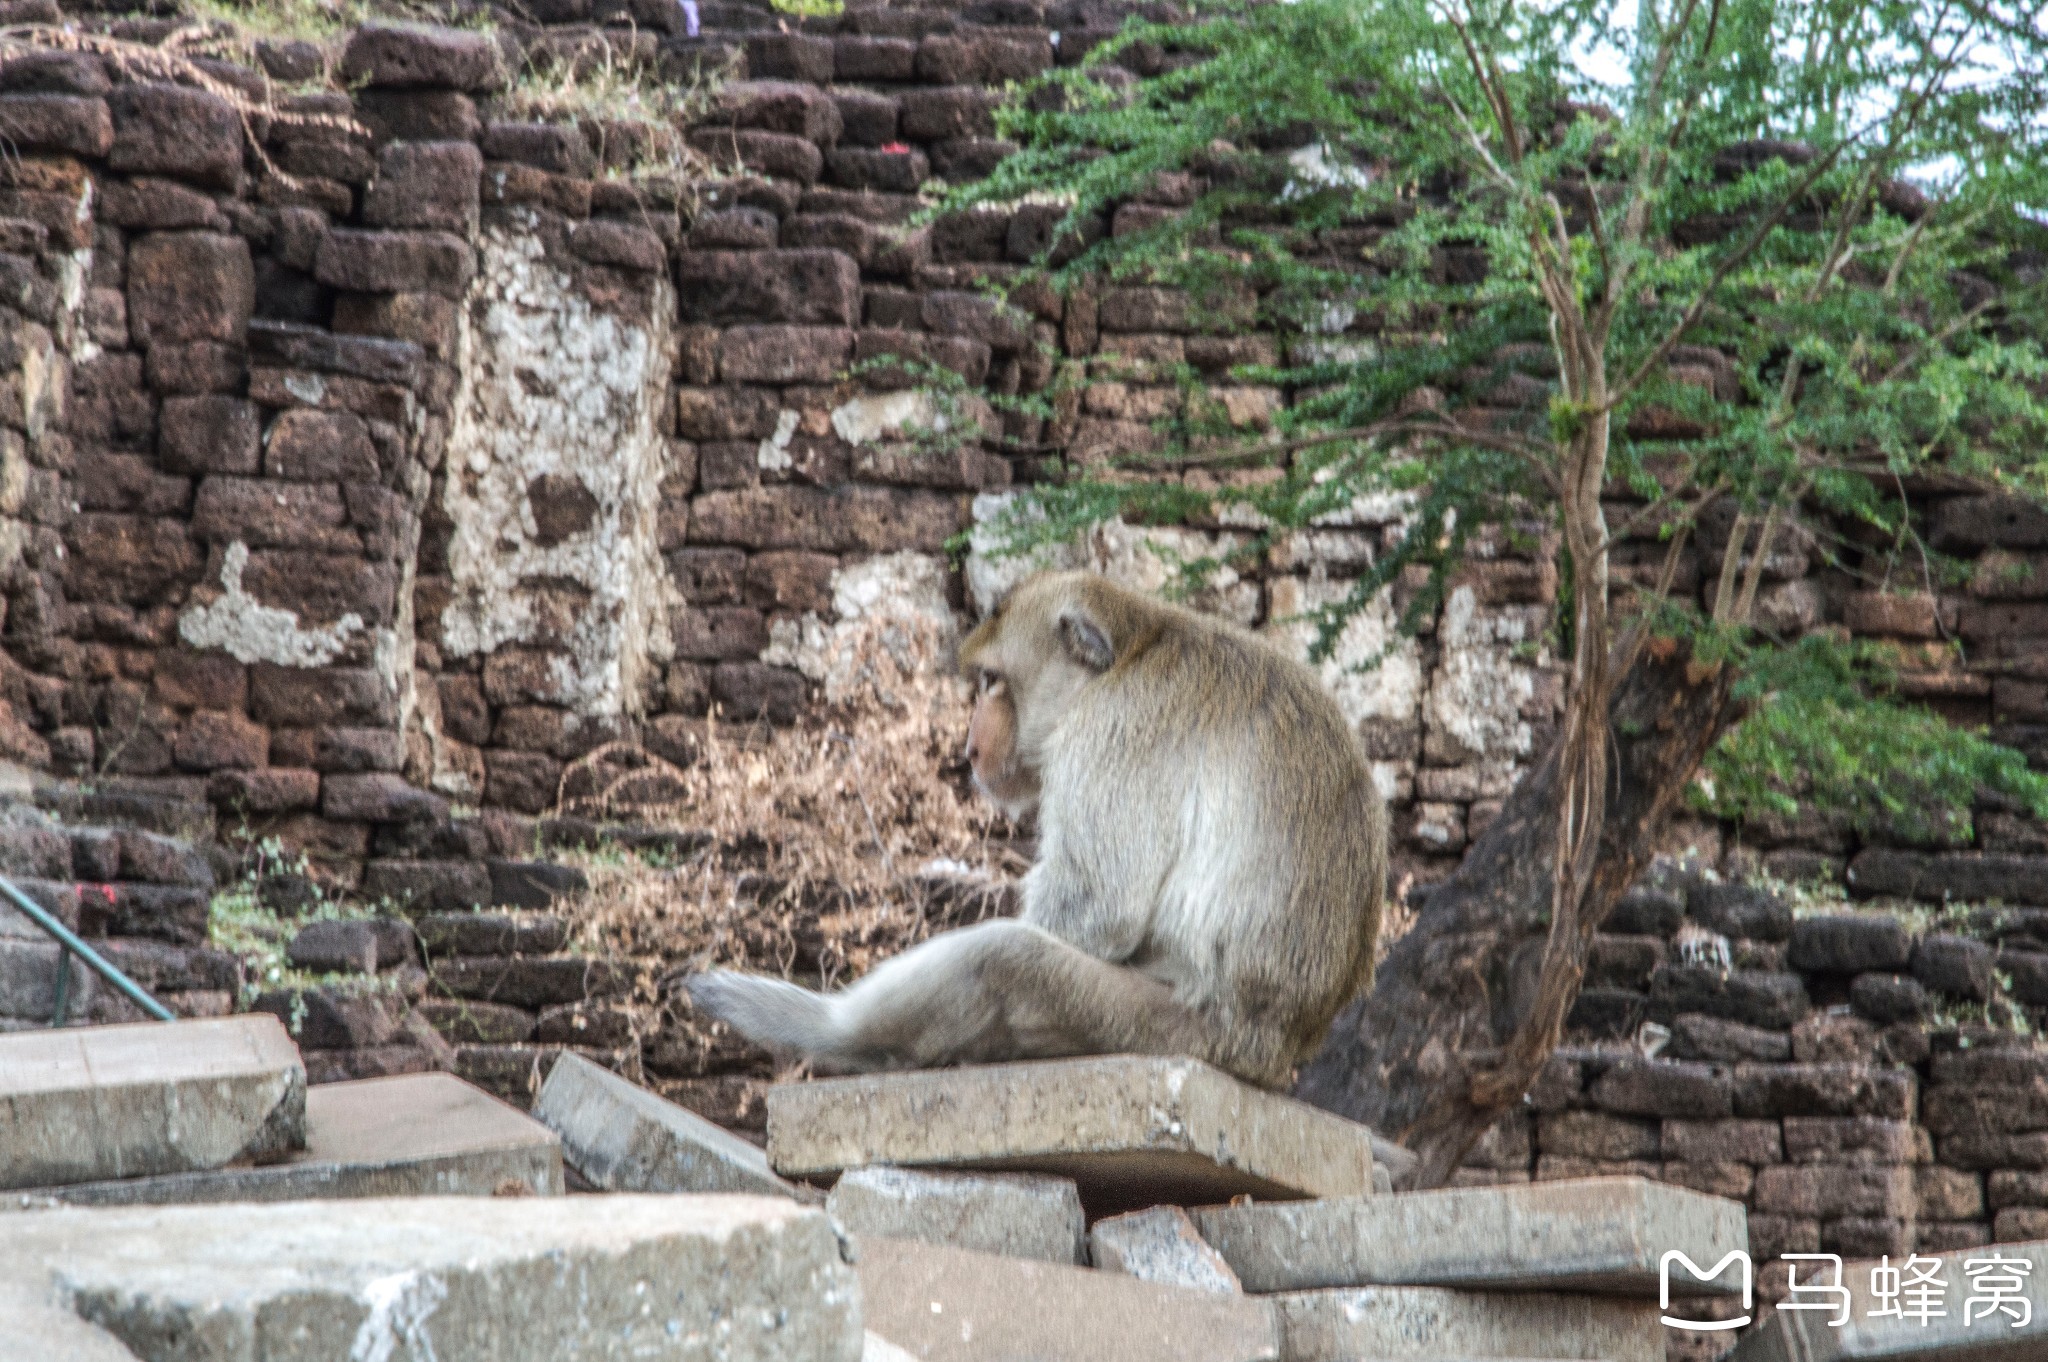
(831, 845)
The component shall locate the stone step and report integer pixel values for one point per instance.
(486, 1279)
(1013, 1215)
(1433, 1324)
(1603, 1235)
(1995, 1326)
(91, 1103)
(1160, 1245)
(425, 1134)
(953, 1305)
(622, 1138)
(1132, 1130)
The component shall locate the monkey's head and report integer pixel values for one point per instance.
(1048, 638)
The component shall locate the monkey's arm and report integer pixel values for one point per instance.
(1063, 899)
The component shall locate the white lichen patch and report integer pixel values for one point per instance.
(249, 631)
(885, 416)
(554, 388)
(773, 455)
(906, 587)
(1474, 709)
(1374, 672)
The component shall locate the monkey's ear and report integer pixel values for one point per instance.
(1085, 640)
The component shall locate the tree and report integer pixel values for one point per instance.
(1826, 202)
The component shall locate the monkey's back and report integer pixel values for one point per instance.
(1248, 803)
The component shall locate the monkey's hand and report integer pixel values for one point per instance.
(777, 1016)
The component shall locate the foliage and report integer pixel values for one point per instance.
(625, 98)
(1826, 732)
(1776, 255)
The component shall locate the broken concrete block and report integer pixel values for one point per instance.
(413, 1135)
(1160, 1245)
(1606, 1235)
(1016, 1215)
(156, 1097)
(953, 1305)
(1435, 1323)
(1131, 1130)
(623, 1138)
(484, 1279)
(1995, 1312)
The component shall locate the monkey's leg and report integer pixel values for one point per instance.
(996, 991)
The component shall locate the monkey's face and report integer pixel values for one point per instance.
(999, 772)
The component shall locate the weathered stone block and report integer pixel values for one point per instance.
(189, 286)
(515, 1279)
(783, 354)
(426, 886)
(1132, 1131)
(770, 286)
(1606, 1236)
(532, 884)
(1822, 1090)
(1012, 1214)
(1829, 1191)
(1163, 1246)
(469, 1022)
(890, 172)
(1662, 1088)
(1738, 910)
(783, 106)
(427, 1134)
(1955, 875)
(210, 434)
(526, 982)
(421, 57)
(260, 512)
(1388, 1321)
(1753, 997)
(1849, 944)
(623, 1138)
(74, 124)
(620, 244)
(1958, 1335)
(394, 262)
(953, 1305)
(177, 131)
(155, 1097)
(352, 945)
(378, 797)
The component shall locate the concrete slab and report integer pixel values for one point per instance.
(98, 1102)
(623, 1138)
(37, 1331)
(1132, 1131)
(952, 1305)
(1970, 1330)
(1160, 1245)
(510, 1279)
(1015, 1215)
(413, 1135)
(1603, 1235)
(1433, 1324)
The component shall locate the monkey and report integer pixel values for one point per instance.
(1211, 860)
(1001, 777)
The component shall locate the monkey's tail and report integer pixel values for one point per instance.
(775, 1015)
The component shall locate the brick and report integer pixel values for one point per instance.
(189, 286)
(425, 319)
(146, 203)
(273, 789)
(477, 1023)
(72, 124)
(1822, 1090)
(1948, 1193)
(621, 245)
(1939, 878)
(790, 56)
(765, 153)
(2001, 575)
(1737, 910)
(201, 367)
(1743, 1141)
(526, 782)
(1754, 998)
(199, 680)
(177, 131)
(530, 981)
(319, 696)
(1898, 614)
(414, 57)
(263, 513)
(781, 106)
(209, 434)
(211, 741)
(165, 912)
(859, 57)
(321, 588)
(428, 185)
(475, 933)
(1848, 1139)
(1648, 911)
(1660, 1088)
(377, 797)
(319, 446)
(716, 633)
(890, 172)
(783, 354)
(737, 229)
(775, 286)
(1849, 944)
(1596, 1135)
(553, 147)
(1828, 1192)
(394, 262)
(128, 558)
(752, 690)
(1982, 522)
(347, 750)
(419, 886)
(1889, 998)
(2006, 1110)
(861, 519)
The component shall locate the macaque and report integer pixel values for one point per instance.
(992, 751)
(1211, 858)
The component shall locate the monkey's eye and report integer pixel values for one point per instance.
(986, 682)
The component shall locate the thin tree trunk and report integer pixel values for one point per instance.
(1454, 990)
